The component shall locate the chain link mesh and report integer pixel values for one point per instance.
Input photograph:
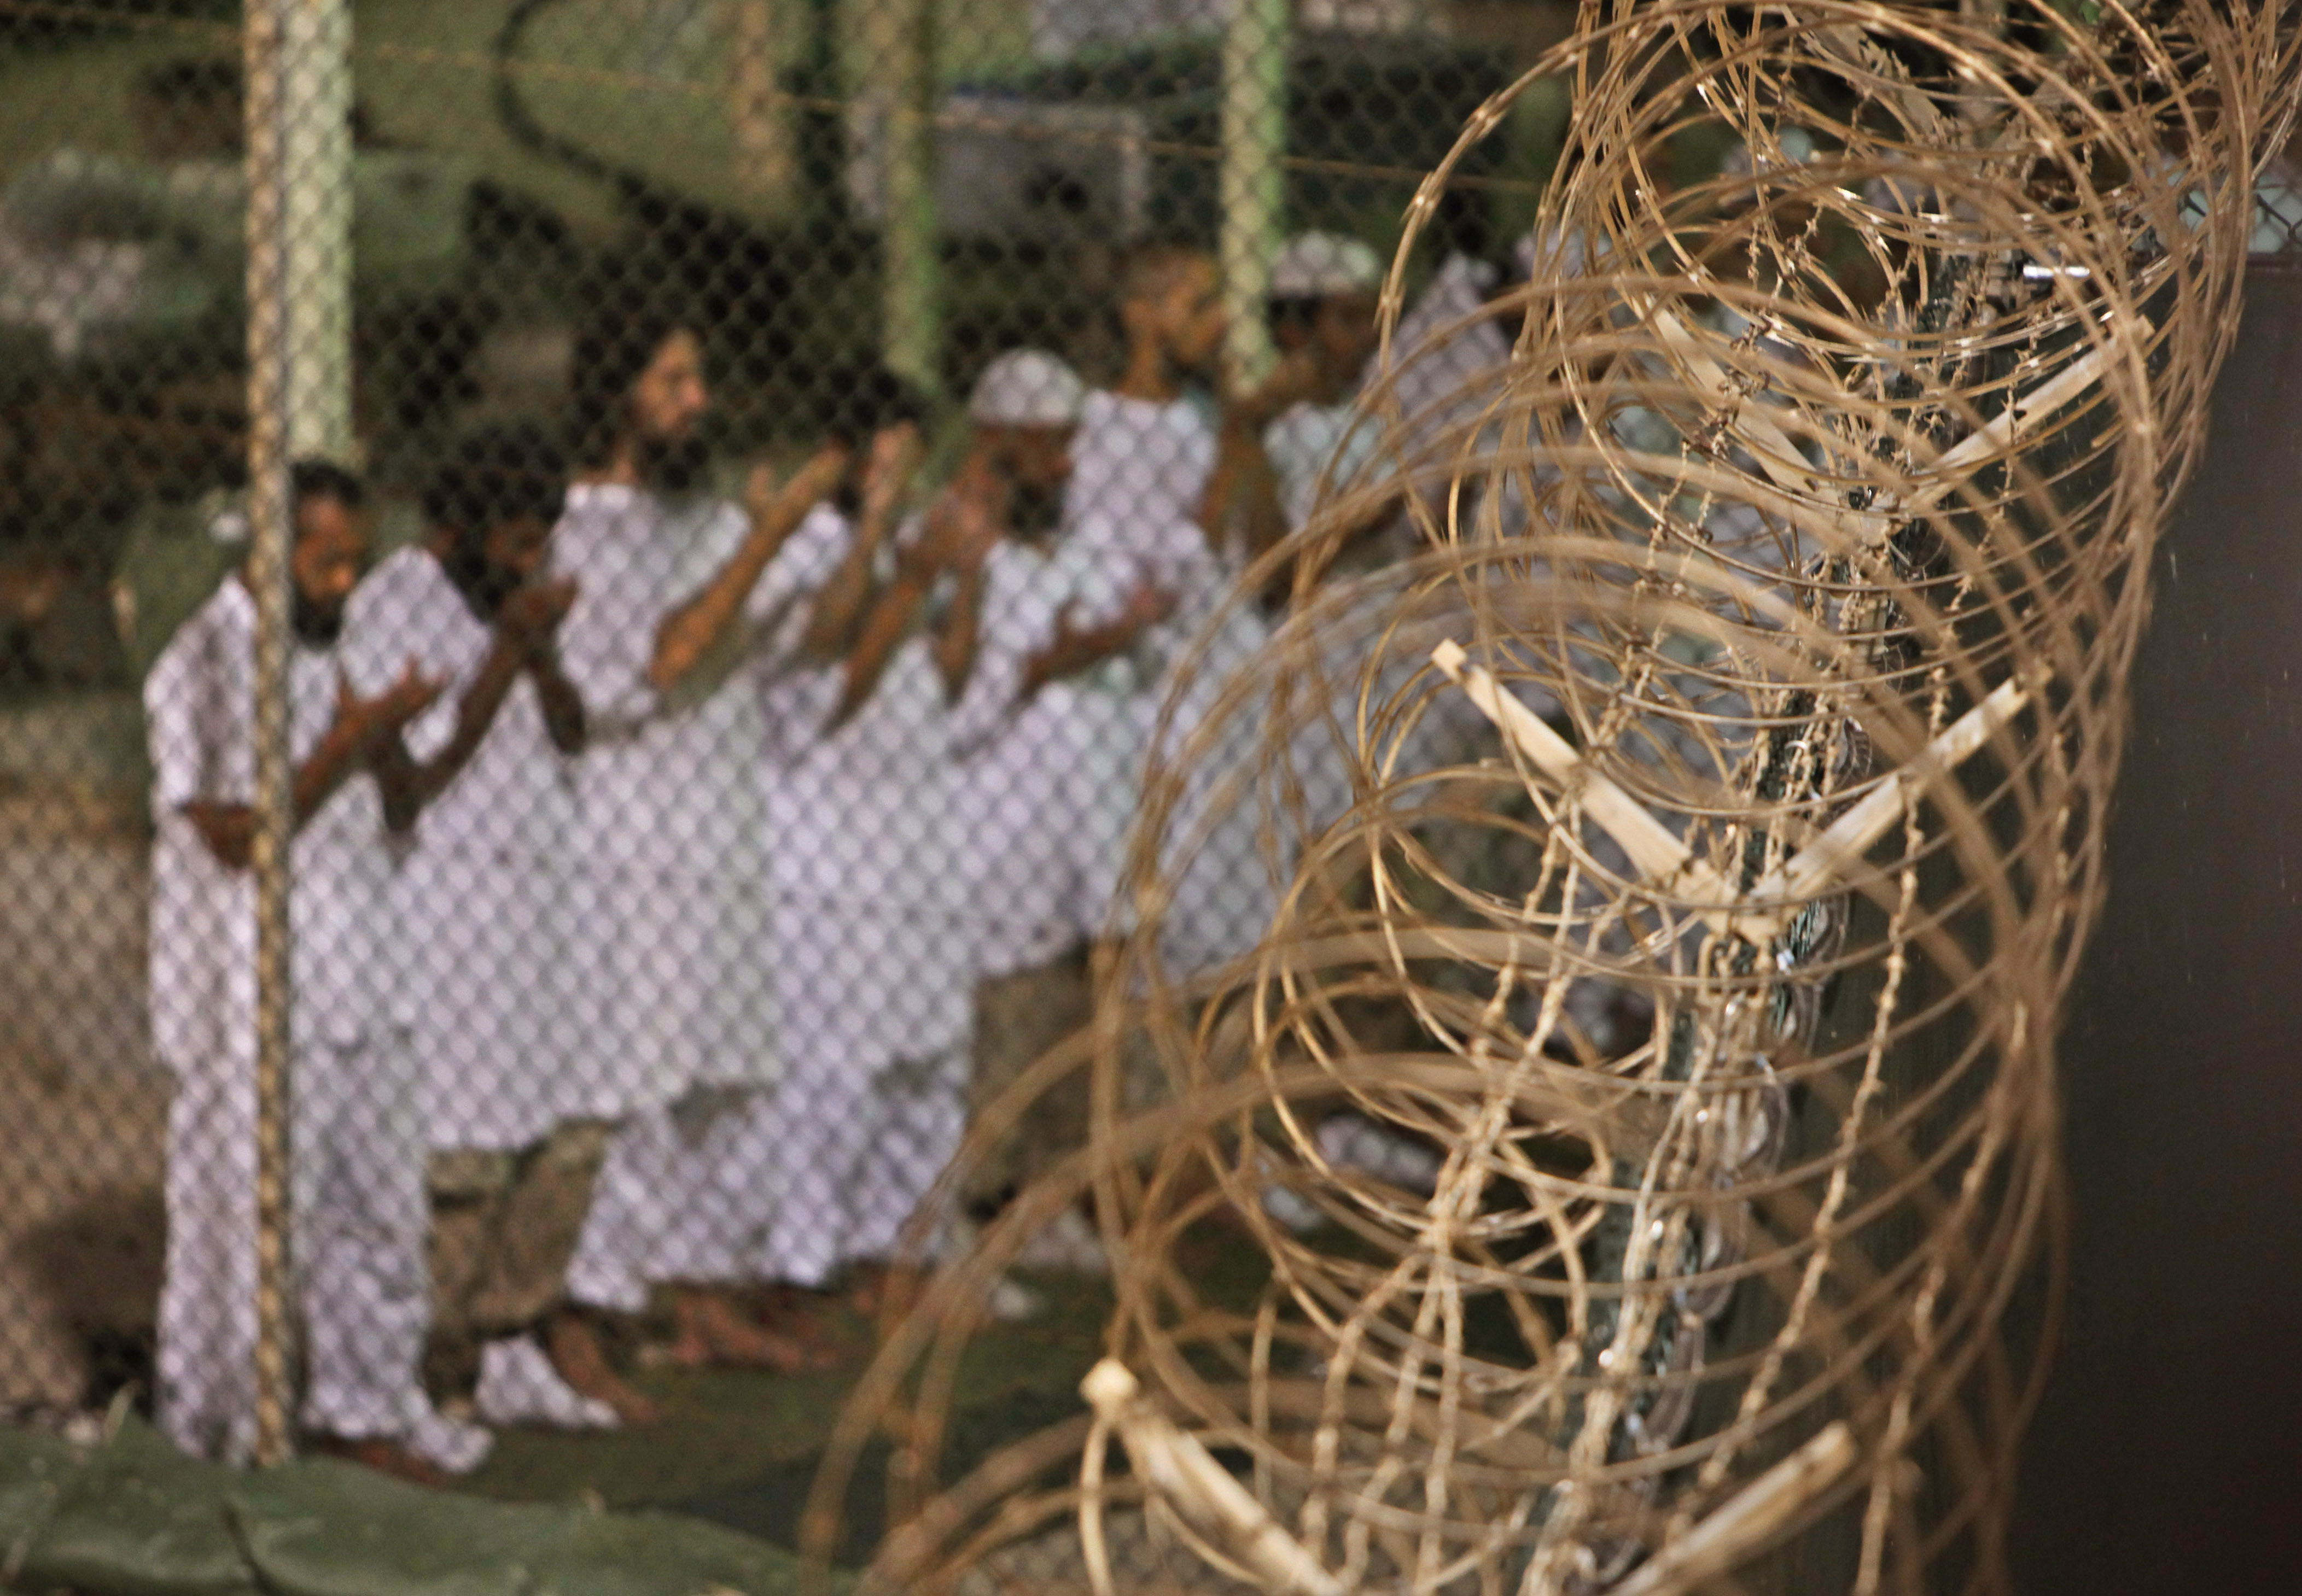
(735, 481)
(635, 983)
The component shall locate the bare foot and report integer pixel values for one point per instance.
(576, 1352)
(880, 1291)
(868, 1294)
(806, 1318)
(713, 1333)
(384, 1457)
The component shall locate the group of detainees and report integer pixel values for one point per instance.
(706, 818)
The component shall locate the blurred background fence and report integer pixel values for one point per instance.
(924, 183)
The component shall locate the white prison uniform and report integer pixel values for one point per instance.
(356, 1192)
(1027, 775)
(1139, 471)
(668, 810)
(1139, 466)
(873, 973)
(1444, 352)
(1221, 890)
(671, 907)
(1311, 440)
(480, 967)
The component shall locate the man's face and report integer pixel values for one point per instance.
(1039, 463)
(1187, 318)
(325, 565)
(1345, 332)
(515, 549)
(1040, 459)
(670, 397)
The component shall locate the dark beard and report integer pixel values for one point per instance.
(316, 626)
(673, 466)
(1032, 512)
(484, 586)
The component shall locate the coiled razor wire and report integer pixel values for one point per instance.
(1688, 851)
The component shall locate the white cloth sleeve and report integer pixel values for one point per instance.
(779, 603)
(608, 640)
(173, 695)
(401, 614)
(1021, 611)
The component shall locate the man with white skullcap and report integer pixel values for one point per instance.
(1322, 317)
(1036, 800)
(885, 896)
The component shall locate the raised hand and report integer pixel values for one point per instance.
(407, 698)
(368, 721)
(896, 453)
(766, 500)
(229, 830)
(1147, 607)
(1293, 379)
(533, 610)
(966, 522)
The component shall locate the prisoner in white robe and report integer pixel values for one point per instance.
(1025, 771)
(1139, 470)
(358, 1196)
(1027, 766)
(480, 971)
(1219, 889)
(873, 968)
(670, 907)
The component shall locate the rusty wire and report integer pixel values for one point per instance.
(1690, 850)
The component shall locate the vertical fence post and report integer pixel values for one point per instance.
(269, 452)
(316, 162)
(900, 71)
(767, 161)
(1254, 183)
(298, 72)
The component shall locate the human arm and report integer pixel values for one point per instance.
(525, 625)
(1075, 648)
(885, 627)
(1242, 490)
(963, 526)
(564, 720)
(846, 600)
(689, 633)
(357, 739)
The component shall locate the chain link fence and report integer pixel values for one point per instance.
(585, 585)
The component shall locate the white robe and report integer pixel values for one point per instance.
(1446, 356)
(1139, 471)
(480, 895)
(1183, 667)
(671, 911)
(873, 969)
(357, 1199)
(1302, 444)
(1033, 775)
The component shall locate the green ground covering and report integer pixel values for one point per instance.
(726, 1429)
(708, 1499)
(133, 1518)
(642, 1511)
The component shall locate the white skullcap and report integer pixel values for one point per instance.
(1026, 387)
(1313, 265)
